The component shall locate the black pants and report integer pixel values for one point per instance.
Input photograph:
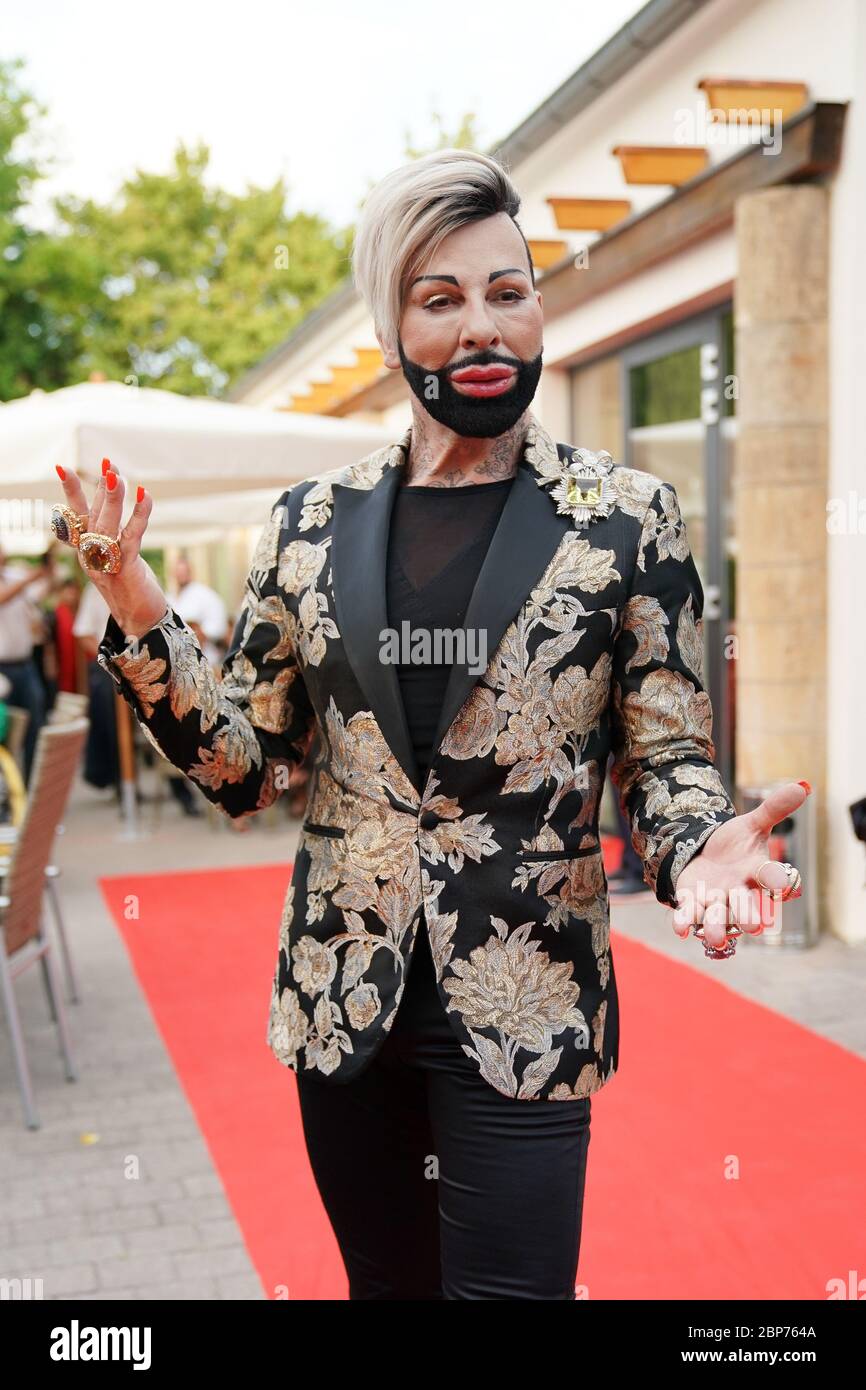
(436, 1184)
(101, 758)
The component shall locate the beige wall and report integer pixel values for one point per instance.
(779, 491)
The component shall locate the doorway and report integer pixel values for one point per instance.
(678, 395)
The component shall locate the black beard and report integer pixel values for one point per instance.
(473, 416)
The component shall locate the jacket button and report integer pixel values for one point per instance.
(429, 820)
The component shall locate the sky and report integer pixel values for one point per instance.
(325, 94)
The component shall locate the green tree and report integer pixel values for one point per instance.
(44, 292)
(464, 137)
(197, 284)
(173, 283)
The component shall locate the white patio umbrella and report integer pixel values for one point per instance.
(212, 465)
(178, 446)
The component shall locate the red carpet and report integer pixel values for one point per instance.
(708, 1083)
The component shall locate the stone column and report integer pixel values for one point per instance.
(780, 491)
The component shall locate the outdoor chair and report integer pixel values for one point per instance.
(23, 937)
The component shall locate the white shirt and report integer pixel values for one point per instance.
(91, 615)
(19, 614)
(197, 603)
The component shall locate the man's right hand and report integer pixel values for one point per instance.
(133, 594)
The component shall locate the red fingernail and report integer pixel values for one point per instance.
(139, 494)
(61, 472)
(111, 481)
(803, 783)
(106, 464)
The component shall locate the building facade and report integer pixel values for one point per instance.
(693, 196)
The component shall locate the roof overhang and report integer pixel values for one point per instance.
(810, 147)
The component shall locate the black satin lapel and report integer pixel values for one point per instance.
(358, 573)
(524, 542)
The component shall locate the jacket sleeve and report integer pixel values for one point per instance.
(670, 791)
(237, 733)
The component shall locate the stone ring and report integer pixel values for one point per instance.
(99, 552)
(67, 525)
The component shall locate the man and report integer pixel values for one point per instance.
(202, 608)
(470, 624)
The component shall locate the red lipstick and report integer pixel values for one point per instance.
(483, 381)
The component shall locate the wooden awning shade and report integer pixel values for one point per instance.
(588, 214)
(546, 253)
(343, 383)
(672, 164)
(746, 100)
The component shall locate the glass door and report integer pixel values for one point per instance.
(677, 418)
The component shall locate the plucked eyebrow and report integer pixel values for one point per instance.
(452, 279)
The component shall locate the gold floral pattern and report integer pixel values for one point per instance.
(572, 882)
(498, 855)
(318, 504)
(510, 986)
(298, 569)
(456, 836)
(664, 527)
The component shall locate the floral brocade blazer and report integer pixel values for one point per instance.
(596, 642)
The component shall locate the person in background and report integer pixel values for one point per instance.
(22, 588)
(13, 796)
(44, 645)
(202, 608)
(628, 878)
(68, 598)
(101, 761)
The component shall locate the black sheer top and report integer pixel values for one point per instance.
(437, 542)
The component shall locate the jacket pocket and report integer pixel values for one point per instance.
(539, 854)
(336, 832)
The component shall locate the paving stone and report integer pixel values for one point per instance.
(137, 1269)
(68, 1281)
(217, 1233)
(157, 1293)
(166, 1239)
(240, 1286)
(195, 1208)
(214, 1262)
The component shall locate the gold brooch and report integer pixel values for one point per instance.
(584, 489)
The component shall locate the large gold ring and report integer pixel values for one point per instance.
(99, 552)
(67, 525)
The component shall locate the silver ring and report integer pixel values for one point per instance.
(793, 876)
(732, 932)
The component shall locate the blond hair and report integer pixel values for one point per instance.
(410, 211)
